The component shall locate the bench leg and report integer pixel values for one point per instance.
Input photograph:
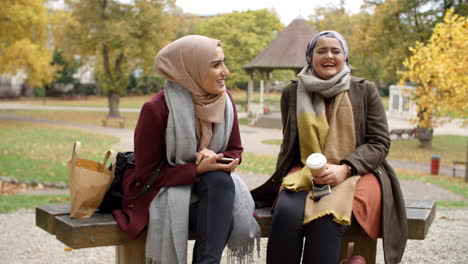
(131, 253)
(363, 246)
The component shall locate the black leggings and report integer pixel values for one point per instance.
(211, 216)
(323, 235)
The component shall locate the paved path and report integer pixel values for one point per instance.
(252, 138)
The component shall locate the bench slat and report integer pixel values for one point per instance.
(426, 204)
(102, 229)
(99, 230)
(45, 216)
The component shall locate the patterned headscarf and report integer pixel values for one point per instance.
(330, 34)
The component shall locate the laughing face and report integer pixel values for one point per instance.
(217, 73)
(327, 58)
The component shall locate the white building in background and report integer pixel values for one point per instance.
(10, 86)
(400, 103)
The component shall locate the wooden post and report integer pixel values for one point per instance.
(132, 252)
(249, 94)
(466, 162)
(262, 88)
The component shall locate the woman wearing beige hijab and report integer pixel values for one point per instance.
(192, 126)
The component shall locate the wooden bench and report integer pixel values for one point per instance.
(399, 133)
(102, 230)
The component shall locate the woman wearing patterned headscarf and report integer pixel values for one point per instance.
(191, 126)
(328, 111)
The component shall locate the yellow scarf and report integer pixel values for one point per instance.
(333, 137)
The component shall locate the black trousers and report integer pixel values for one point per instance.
(286, 241)
(211, 216)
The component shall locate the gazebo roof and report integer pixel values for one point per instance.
(287, 50)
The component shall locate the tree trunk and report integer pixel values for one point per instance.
(424, 135)
(466, 165)
(114, 100)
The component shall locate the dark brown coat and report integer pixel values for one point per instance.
(372, 146)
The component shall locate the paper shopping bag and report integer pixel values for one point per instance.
(88, 181)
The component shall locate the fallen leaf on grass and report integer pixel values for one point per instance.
(67, 248)
(448, 218)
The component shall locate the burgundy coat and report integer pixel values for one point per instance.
(150, 148)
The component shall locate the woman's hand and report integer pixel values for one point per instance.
(211, 164)
(203, 154)
(333, 175)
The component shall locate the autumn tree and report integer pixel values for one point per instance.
(23, 41)
(244, 35)
(439, 71)
(389, 27)
(117, 38)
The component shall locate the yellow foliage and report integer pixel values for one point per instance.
(23, 40)
(439, 69)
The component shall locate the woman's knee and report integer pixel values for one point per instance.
(325, 226)
(220, 180)
(289, 207)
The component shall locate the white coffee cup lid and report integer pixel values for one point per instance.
(316, 161)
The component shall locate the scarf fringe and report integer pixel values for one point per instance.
(152, 261)
(337, 218)
(245, 253)
(241, 255)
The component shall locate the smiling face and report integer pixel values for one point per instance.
(216, 74)
(327, 58)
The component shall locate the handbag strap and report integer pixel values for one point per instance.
(110, 153)
(147, 185)
(76, 150)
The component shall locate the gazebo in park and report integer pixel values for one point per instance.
(286, 52)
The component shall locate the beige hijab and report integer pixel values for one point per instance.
(186, 61)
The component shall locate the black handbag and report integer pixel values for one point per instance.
(113, 198)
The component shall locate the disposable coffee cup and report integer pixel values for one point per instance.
(316, 163)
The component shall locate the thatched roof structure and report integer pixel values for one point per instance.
(287, 50)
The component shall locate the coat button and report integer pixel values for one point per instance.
(137, 184)
(130, 206)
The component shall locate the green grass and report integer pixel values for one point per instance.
(448, 147)
(243, 121)
(34, 151)
(451, 204)
(385, 101)
(453, 184)
(272, 141)
(15, 202)
(90, 101)
(83, 117)
(257, 163)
